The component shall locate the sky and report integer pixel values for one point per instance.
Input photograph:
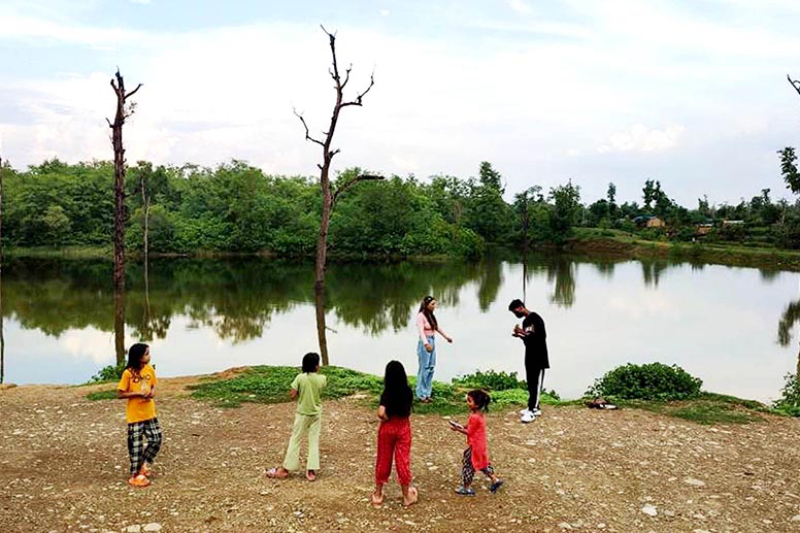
(691, 93)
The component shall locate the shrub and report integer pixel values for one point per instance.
(491, 380)
(789, 402)
(654, 381)
(108, 373)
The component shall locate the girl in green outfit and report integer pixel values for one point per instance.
(308, 387)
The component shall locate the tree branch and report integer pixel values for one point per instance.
(357, 101)
(795, 83)
(335, 73)
(133, 91)
(344, 187)
(308, 137)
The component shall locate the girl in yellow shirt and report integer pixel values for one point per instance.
(138, 386)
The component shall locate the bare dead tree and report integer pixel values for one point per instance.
(329, 195)
(123, 111)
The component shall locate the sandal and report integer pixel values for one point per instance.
(139, 481)
(144, 471)
(496, 486)
(465, 491)
(276, 473)
(311, 475)
(377, 501)
(413, 496)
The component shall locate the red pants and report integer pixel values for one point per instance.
(394, 438)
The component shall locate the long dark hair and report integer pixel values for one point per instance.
(396, 396)
(423, 308)
(310, 362)
(135, 354)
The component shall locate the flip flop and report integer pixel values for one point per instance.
(413, 496)
(275, 473)
(377, 501)
(311, 475)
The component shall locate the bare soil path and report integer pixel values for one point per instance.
(63, 465)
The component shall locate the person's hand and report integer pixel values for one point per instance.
(428, 347)
(454, 428)
(450, 340)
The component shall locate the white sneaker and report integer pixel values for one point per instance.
(527, 417)
(537, 412)
(523, 411)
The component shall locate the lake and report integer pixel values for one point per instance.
(736, 328)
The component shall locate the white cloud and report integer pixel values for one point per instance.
(520, 7)
(385, 12)
(639, 138)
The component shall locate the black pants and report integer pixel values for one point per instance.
(535, 377)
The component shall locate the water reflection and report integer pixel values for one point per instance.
(211, 314)
(790, 317)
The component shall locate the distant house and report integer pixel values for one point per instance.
(732, 222)
(649, 221)
(701, 230)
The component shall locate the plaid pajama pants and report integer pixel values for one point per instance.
(139, 452)
(468, 471)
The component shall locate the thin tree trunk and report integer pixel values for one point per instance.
(1, 211)
(118, 84)
(119, 324)
(146, 229)
(319, 301)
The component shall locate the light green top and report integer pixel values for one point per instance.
(310, 386)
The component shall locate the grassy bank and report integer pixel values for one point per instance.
(270, 384)
(622, 244)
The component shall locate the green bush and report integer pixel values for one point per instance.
(491, 380)
(789, 402)
(654, 381)
(108, 373)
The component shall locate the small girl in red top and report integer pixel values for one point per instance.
(394, 434)
(476, 456)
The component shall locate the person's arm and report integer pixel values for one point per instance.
(292, 393)
(443, 334)
(382, 413)
(124, 385)
(293, 388)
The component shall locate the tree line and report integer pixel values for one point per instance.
(235, 207)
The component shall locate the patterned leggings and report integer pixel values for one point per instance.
(139, 452)
(468, 471)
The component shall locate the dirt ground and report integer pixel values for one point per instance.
(63, 466)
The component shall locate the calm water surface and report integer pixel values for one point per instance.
(733, 327)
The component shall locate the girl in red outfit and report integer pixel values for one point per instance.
(394, 434)
(476, 456)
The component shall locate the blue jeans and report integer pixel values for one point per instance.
(427, 363)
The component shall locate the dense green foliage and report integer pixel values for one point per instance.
(491, 380)
(654, 381)
(237, 208)
(789, 402)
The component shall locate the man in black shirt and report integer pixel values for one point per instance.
(534, 337)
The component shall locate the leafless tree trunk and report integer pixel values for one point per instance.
(146, 229)
(319, 304)
(119, 324)
(329, 196)
(122, 113)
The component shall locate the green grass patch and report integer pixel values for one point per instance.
(102, 395)
(66, 252)
(270, 384)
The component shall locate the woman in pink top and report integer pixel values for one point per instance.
(426, 347)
